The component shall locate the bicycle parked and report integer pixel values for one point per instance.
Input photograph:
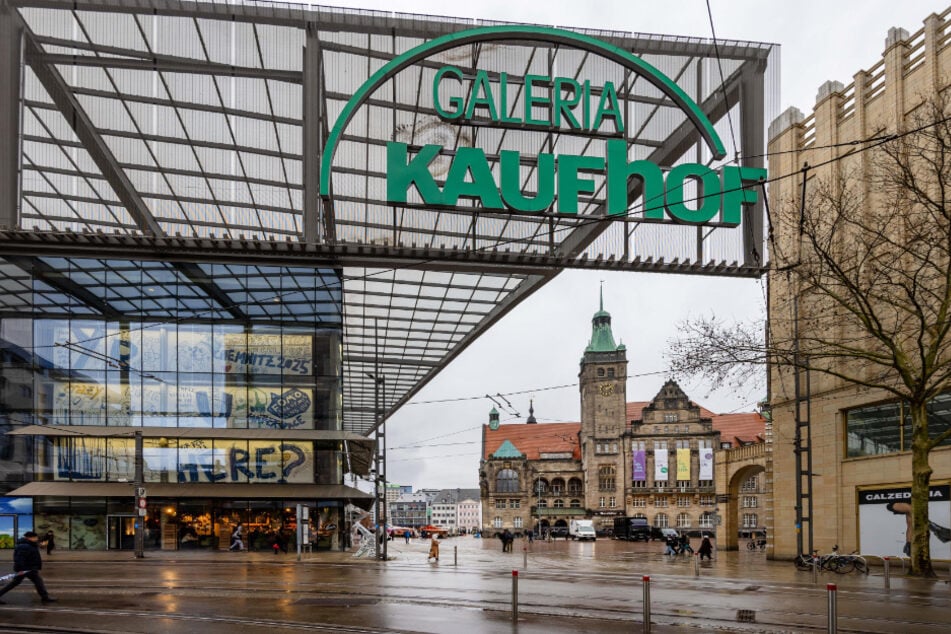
(833, 562)
(756, 543)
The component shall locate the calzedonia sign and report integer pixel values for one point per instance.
(576, 105)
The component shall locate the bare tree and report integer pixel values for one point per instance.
(866, 260)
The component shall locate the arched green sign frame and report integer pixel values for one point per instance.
(517, 32)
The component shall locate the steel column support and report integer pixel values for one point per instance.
(752, 154)
(139, 537)
(313, 135)
(11, 57)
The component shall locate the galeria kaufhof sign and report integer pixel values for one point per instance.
(548, 103)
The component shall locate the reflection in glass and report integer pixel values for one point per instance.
(160, 459)
(79, 458)
(120, 459)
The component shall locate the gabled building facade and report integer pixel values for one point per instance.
(649, 459)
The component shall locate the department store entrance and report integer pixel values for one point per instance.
(120, 532)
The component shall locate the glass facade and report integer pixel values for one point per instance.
(223, 368)
(886, 427)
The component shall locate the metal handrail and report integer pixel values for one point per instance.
(890, 558)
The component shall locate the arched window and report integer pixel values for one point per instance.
(543, 504)
(600, 371)
(606, 478)
(557, 486)
(540, 487)
(575, 504)
(706, 519)
(683, 520)
(506, 481)
(661, 521)
(611, 372)
(559, 504)
(575, 487)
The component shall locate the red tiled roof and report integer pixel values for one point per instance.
(746, 426)
(535, 439)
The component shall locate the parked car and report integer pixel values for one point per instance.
(632, 528)
(559, 532)
(582, 530)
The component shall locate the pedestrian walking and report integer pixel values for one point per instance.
(27, 563)
(706, 548)
(433, 549)
(237, 538)
(406, 536)
(673, 545)
(50, 541)
(685, 546)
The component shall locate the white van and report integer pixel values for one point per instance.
(582, 529)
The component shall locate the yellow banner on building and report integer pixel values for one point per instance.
(683, 464)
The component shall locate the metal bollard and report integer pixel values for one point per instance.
(515, 596)
(887, 577)
(455, 555)
(696, 565)
(832, 613)
(525, 558)
(647, 604)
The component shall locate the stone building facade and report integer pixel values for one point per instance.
(856, 437)
(651, 459)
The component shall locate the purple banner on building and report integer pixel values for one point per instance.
(640, 465)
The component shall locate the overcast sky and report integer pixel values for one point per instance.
(539, 344)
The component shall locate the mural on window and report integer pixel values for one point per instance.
(196, 376)
(161, 405)
(185, 460)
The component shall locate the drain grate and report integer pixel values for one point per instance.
(746, 616)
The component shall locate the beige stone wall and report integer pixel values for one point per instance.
(603, 408)
(522, 516)
(912, 69)
(731, 468)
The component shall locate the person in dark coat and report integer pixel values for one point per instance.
(507, 539)
(27, 563)
(685, 546)
(50, 540)
(706, 548)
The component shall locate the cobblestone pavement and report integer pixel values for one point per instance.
(562, 587)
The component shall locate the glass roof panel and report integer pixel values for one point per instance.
(228, 152)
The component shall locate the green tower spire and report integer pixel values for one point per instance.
(602, 339)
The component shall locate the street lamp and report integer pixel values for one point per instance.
(538, 502)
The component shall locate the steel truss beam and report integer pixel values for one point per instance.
(332, 20)
(93, 143)
(293, 253)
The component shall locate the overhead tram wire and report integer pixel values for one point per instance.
(525, 391)
(726, 100)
